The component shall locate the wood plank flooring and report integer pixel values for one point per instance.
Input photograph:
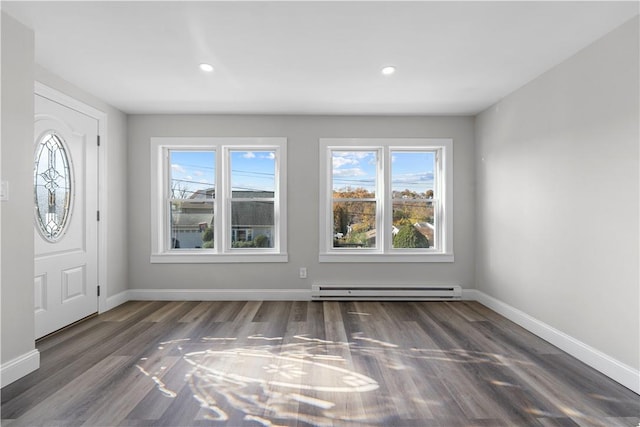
(454, 364)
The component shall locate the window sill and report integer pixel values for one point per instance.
(378, 257)
(209, 258)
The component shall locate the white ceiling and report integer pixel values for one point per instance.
(309, 57)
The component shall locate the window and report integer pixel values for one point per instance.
(386, 200)
(218, 200)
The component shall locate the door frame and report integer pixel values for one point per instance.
(55, 95)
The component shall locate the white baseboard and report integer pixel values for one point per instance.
(469, 295)
(116, 300)
(614, 369)
(19, 367)
(220, 294)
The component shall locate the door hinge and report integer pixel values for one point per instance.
(98, 290)
(98, 138)
(97, 215)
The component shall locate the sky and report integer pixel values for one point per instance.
(255, 170)
(411, 170)
(250, 170)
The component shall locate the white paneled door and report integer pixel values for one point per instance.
(65, 215)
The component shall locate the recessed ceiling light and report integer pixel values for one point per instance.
(387, 71)
(206, 67)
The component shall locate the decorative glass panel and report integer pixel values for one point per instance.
(52, 186)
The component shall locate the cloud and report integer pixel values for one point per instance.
(352, 158)
(249, 155)
(198, 173)
(349, 172)
(339, 161)
(269, 156)
(177, 168)
(413, 179)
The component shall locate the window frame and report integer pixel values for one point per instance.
(222, 252)
(384, 251)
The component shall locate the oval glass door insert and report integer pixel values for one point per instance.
(52, 186)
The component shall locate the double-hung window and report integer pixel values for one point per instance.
(218, 200)
(386, 200)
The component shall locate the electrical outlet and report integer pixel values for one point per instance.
(303, 272)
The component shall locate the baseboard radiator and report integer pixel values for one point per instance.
(389, 292)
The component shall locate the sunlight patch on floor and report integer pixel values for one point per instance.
(307, 380)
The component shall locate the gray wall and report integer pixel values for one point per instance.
(557, 173)
(17, 271)
(303, 133)
(16, 145)
(114, 148)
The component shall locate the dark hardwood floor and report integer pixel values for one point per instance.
(310, 364)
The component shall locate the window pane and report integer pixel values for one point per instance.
(253, 174)
(413, 223)
(192, 174)
(354, 174)
(252, 224)
(412, 190)
(191, 224)
(412, 174)
(354, 224)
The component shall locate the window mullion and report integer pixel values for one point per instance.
(381, 185)
(386, 203)
(217, 219)
(225, 203)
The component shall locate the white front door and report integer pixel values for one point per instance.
(65, 220)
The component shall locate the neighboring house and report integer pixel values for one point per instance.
(426, 229)
(187, 227)
(250, 218)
